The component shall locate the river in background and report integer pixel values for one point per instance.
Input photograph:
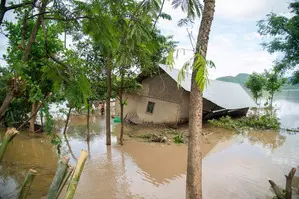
(234, 166)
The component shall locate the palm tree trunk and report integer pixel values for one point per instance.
(108, 96)
(33, 117)
(195, 138)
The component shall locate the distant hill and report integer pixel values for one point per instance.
(241, 78)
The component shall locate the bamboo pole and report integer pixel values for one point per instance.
(58, 178)
(27, 184)
(9, 135)
(76, 176)
(65, 179)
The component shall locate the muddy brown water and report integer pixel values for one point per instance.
(234, 166)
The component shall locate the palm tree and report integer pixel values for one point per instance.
(194, 164)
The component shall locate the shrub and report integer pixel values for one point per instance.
(178, 138)
(263, 122)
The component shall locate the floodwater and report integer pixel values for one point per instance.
(234, 166)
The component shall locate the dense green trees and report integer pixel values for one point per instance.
(271, 81)
(284, 38)
(114, 42)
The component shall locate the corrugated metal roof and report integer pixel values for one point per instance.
(225, 94)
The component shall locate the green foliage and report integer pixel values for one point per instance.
(256, 84)
(193, 8)
(178, 138)
(199, 64)
(261, 122)
(284, 37)
(274, 83)
(49, 122)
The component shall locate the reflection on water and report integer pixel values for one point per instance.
(234, 166)
(287, 103)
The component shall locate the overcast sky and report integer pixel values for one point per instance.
(234, 44)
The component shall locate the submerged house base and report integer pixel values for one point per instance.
(161, 101)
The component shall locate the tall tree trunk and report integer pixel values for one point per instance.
(34, 31)
(36, 110)
(271, 100)
(121, 108)
(195, 138)
(88, 114)
(67, 120)
(108, 96)
(33, 118)
(27, 50)
(42, 120)
(6, 102)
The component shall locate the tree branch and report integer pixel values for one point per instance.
(15, 6)
(277, 190)
(41, 13)
(62, 19)
(289, 179)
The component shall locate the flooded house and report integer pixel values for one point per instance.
(161, 101)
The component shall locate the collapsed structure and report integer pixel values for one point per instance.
(161, 101)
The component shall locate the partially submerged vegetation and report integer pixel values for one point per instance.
(162, 135)
(253, 121)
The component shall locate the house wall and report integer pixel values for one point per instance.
(171, 103)
(184, 112)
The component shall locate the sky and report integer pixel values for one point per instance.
(234, 44)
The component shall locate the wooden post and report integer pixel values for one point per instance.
(76, 177)
(289, 179)
(9, 135)
(58, 178)
(27, 184)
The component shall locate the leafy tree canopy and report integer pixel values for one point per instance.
(284, 38)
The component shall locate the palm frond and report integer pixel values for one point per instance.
(193, 8)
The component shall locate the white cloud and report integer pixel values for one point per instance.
(237, 58)
(248, 10)
(234, 42)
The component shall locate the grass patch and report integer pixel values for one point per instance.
(178, 138)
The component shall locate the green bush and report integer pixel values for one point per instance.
(178, 138)
(262, 122)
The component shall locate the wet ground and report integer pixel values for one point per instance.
(234, 166)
